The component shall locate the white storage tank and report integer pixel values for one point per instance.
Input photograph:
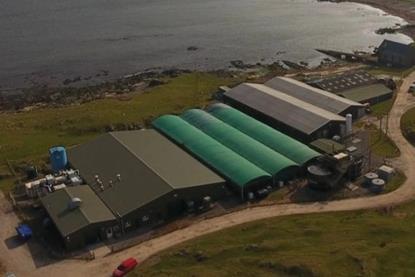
(378, 185)
(369, 177)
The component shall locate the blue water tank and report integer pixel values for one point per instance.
(58, 158)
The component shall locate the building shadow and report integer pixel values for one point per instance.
(13, 242)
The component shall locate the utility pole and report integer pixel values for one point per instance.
(380, 128)
(387, 123)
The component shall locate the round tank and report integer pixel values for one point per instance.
(318, 171)
(58, 158)
(377, 185)
(369, 177)
(318, 177)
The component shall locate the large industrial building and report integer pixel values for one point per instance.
(242, 174)
(134, 178)
(317, 97)
(279, 142)
(248, 153)
(137, 178)
(277, 165)
(291, 115)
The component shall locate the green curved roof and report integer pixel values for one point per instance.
(281, 143)
(231, 165)
(252, 150)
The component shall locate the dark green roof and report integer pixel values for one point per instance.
(225, 161)
(149, 164)
(92, 210)
(279, 142)
(328, 146)
(365, 93)
(252, 150)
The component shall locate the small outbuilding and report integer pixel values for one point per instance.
(371, 94)
(79, 216)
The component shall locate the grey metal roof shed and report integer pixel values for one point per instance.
(287, 109)
(320, 98)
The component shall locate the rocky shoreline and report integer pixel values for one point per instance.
(400, 8)
(71, 93)
(124, 87)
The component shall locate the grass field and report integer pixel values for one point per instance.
(395, 182)
(382, 108)
(382, 145)
(26, 136)
(408, 125)
(362, 243)
(390, 71)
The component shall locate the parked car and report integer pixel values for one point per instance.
(125, 267)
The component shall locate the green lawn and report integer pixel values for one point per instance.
(382, 145)
(395, 182)
(391, 71)
(408, 125)
(26, 136)
(362, 243)
(382, 108)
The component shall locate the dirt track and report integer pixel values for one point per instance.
(19, 261)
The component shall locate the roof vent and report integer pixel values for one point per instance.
(74, 203)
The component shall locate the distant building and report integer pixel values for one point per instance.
(358, 86)
(317, 97)
(392, 53)
(345, 81)
(371, 94)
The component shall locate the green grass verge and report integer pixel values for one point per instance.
(26, 136)
(382, 145)
(278, 194)
(394, 72)
(395, 182)
(361, 243)
(408, 125)
(382, 108)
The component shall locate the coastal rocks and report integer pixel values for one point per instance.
(156, 82)
(241, 65)
(387, 30)
(39, 96)
(192, 48)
